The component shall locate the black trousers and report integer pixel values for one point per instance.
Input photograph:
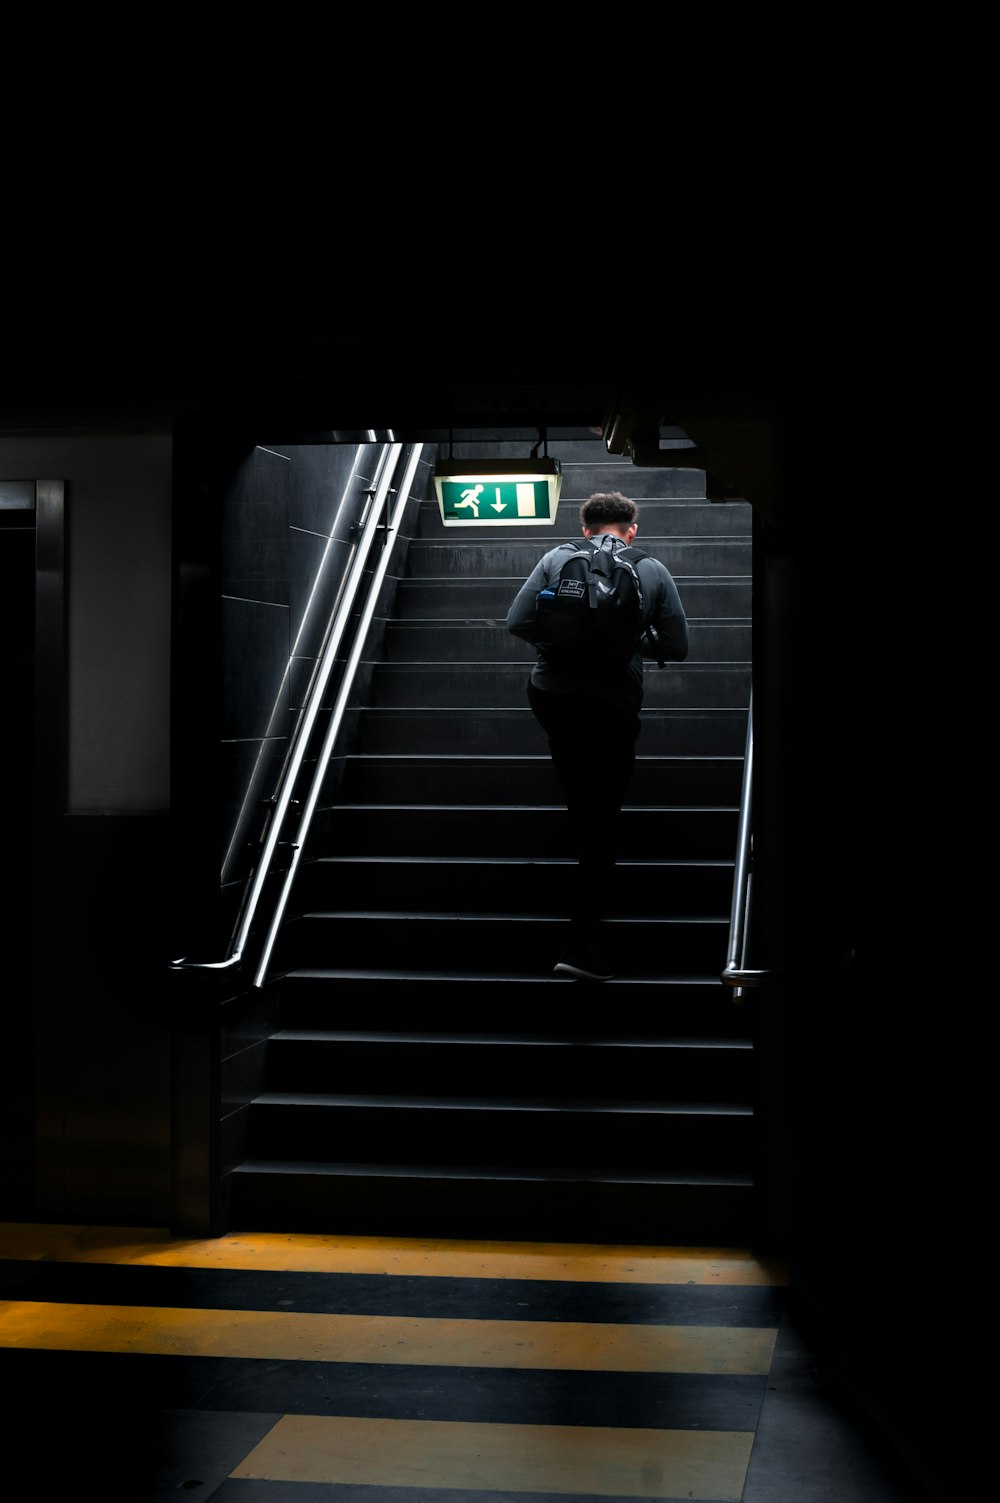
(593, 746)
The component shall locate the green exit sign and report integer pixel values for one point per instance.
(499, 494)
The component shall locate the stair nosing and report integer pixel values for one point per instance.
(542, 1173)
(351, 973)
(364, 1036)
(725, 863)
(576, 1106)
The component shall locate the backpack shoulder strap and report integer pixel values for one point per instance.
(627, 558)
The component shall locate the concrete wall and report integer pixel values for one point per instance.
(118, 510)
(92, 1036)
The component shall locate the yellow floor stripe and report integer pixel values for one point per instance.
(393, 1255)
(282, 1336)
(531, 1458)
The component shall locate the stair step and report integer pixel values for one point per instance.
(675, 506)
(716, 731)
(564, 1133)
(587, 465)
(383, 997)
(501, 943)
(495, 554)
(519, 1173)
(647, 889)
(473, 685)
(453, 641)
(585, 477)
(530, 1203)
(311, 1060)
(523, 831)
(444, 596)
(692, 781)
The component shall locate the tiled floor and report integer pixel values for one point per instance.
(296, 1369)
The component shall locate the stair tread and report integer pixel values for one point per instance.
(513, 860)
(534, 1172)
(506, 917)
(586, 1105)
(420, 622)
(536, 808)
(517, 580)
(536, 759)
(618, 1041)
(672, 546)
(525, 713)
(519, 665)
(378, 973)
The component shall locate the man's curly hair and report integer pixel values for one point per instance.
(608, 509)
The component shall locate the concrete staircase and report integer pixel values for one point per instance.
(427, 1074)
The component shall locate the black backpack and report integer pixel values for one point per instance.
(592, 617)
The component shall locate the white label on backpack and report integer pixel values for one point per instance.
(574, 587)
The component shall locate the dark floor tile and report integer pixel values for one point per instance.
(812, 1443)
(127, 1381)
(385, 1294)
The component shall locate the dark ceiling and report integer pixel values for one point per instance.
(801, 392)
(419, 362)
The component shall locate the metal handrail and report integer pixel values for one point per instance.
(736, 973)
(336, 717)
(284, 798)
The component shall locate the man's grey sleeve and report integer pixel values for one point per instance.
(521, 616)
(668, 619)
